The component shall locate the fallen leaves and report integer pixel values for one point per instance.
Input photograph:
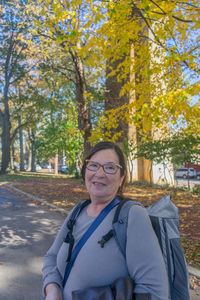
(66, 192)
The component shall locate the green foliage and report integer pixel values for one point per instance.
(196, 189)
(178, 149)
(58, 129)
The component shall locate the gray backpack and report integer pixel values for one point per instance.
(165, 221)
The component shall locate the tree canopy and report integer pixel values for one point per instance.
(151, 47)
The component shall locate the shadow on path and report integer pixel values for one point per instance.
(26, 232)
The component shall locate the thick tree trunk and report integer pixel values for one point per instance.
(141, 94)
(6, 127)
(6, 142)
(113, 99)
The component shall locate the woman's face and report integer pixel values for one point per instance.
(101, 186)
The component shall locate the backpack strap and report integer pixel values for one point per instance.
(70, 225)
(86, 236)
(120, 222)
(119, 225)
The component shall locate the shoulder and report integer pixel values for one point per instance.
(138, 215)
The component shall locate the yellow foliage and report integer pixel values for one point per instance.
(100, 32)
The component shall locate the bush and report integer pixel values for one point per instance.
(196, 189)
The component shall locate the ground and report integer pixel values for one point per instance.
(65, 192)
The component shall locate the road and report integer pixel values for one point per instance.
(184, 182)
(26, 232)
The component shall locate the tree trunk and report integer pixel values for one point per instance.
(141, 93)
(113, 99)
(33, 161)
(32, 138)
(56, 164)
(21, 146)
(84, 121)
(29, 157)
(6, 142)
(12, 157)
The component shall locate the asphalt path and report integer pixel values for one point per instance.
(181, 182)
(26, 232)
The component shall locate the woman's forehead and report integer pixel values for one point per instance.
(105, 155)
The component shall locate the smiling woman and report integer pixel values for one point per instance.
(77, 260)
(103, 176)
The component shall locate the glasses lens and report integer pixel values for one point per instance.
(110, 168)
(92, 166)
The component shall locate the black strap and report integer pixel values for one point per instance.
(116, 216)
(106, 238)
(70, 225)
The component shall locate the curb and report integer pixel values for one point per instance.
(192, 271)
(37, 199)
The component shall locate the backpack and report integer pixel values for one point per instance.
(165, 222)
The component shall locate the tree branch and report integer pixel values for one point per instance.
(149, 27)
(164, 13)
(16, 130)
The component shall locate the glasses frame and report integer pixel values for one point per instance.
(102, 165)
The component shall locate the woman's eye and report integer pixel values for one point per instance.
(110, 167)
(93, 165)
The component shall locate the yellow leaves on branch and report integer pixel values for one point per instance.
(150, 116)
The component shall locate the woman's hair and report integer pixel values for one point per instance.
(109, 145)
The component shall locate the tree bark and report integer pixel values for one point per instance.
(113, 99)
(6, 142)
(32, 138)
(84, 121)
(21, 146)
(56, 164)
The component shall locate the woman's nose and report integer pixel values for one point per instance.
(100, 171)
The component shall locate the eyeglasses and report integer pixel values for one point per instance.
(109, 168)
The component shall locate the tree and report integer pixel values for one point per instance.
(58, 129)
(157, 44)
(13, 67)
(63, 25)
(154, 43)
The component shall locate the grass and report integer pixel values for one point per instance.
(13, 176)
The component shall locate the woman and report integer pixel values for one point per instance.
(104, 172)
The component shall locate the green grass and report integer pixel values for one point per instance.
(12, 176)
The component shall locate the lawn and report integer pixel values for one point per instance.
(65, 192)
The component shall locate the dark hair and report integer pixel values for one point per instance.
(109, 145)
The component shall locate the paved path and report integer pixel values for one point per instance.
(26, 232)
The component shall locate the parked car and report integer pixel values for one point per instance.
(63, 169)
(38, 167)
(185, 173)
